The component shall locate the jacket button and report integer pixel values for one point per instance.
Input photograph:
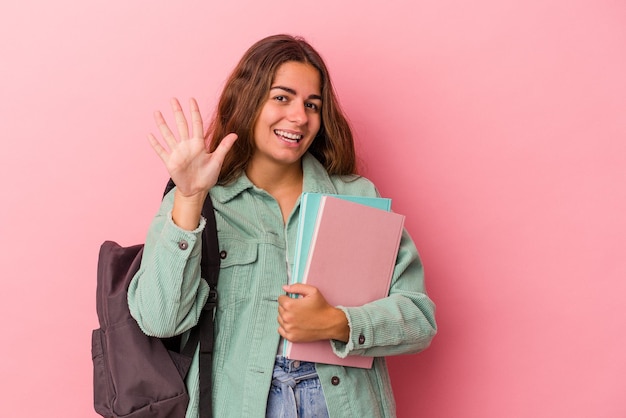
(182, 244)
(223, 254)
(361, 339)
(334, 380)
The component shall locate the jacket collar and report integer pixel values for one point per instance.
(316, 179)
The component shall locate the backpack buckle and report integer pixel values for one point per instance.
(211, 301)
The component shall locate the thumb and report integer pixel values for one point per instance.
(225, 145)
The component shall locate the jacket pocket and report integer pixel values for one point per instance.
(238, 260)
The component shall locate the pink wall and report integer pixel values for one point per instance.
(498, 127)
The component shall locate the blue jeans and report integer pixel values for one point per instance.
(296, 391)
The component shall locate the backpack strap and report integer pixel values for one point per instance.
(203, 331)
(210, 265)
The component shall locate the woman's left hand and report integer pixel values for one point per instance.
(309, 317)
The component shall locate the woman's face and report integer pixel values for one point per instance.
(290, 117)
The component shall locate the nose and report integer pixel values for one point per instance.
(297, 113)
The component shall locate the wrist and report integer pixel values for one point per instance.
(341, 330)
(187, 210)
(191, 199)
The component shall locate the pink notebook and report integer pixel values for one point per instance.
(351, 261)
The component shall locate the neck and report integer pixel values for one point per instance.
(275, 178)
(284, 183)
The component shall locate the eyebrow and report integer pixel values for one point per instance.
(292, 91)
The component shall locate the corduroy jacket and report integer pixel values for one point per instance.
(166, 297)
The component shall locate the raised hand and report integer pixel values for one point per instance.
(192, 168)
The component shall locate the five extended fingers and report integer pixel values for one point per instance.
(197, 130)
(197, 147)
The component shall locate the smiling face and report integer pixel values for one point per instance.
(290, 117)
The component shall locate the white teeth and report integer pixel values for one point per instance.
(288, 135)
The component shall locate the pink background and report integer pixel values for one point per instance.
(498, 127)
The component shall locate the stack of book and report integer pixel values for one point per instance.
(346, 247)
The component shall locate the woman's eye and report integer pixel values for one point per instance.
(280, 98)
(312, 106)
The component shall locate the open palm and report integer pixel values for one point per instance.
(192, 168)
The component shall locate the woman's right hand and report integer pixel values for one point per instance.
(192, 168)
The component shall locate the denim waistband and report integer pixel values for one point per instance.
(296, 370)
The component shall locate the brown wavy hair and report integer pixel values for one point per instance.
(246, 91)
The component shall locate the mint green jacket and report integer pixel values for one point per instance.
(166, 297)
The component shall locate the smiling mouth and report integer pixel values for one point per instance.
(289, 137)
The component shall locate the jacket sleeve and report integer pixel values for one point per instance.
(166, 295)
(402, 323)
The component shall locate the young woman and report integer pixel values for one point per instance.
(278, 131)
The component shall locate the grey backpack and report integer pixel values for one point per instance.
(137, 376)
